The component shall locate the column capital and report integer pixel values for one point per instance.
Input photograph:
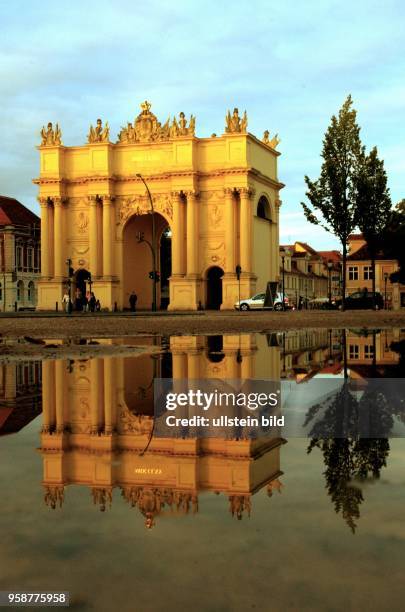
(93, 199)
(192, 194)
(107, 199)
(43, 201)
(246, 192)
(278, 203)
(58, 200)
(178, 195)
(229, 192)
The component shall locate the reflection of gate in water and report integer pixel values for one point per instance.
(92, 436)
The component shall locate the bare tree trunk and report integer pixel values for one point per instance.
(344, 275)
(373, 277)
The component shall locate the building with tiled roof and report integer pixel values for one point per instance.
(307, 274)
(359, 273)
(20, 231)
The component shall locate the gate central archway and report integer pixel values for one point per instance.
(137, 260)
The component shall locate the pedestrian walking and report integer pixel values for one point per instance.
(66, 302)
(133, 298)
(92, 302)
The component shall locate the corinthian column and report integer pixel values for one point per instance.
(60, 394)
(43, 202)
(192, 233)
(230, 230)
(58, 236)
(107, 236)
(94, 267)
(246, 229)
(109, 395)
(178, 234)
(95, 383)
(48, 396)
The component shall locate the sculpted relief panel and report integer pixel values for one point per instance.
(140, 205)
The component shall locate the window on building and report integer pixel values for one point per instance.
(353, 351)
(367, 273)
(31, 373)
(19, 256)
(353, 273)
(20, 291)
(31, 291)
(30, 258)
(368, 351)
(20, 374)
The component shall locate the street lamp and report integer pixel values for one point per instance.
(330, 266)
(282, 263)
(69, 283)
(385, 289)
(153, 245)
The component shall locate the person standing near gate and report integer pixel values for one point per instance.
(133, 298)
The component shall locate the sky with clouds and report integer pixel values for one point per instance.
(290, 64)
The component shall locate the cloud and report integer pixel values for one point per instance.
(289, 65)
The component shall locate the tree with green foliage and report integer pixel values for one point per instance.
(373, 204)
(334, 194)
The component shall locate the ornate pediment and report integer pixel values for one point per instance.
(147, 128)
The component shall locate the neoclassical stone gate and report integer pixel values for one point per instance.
(218, 195)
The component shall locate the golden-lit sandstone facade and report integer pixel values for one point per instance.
(216, 203)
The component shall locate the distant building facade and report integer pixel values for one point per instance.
(20, 255)
(359, 273)
(306, 272)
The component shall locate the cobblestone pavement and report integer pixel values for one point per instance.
(86, 325)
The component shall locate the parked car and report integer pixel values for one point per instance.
(363, 300)
(257, 303)
(322, 303)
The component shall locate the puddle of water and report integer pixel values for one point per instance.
(112, 514)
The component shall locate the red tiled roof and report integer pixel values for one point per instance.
(356, 237)
(334, 256)
(363, 254)
(12, 212)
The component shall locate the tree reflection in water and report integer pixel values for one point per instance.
(350, 459)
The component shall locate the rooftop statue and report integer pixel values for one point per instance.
(234, 124)
(179, 128)
(99, 133)
(50, 136)
(273, 142)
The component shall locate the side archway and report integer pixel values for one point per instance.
(214, 288)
